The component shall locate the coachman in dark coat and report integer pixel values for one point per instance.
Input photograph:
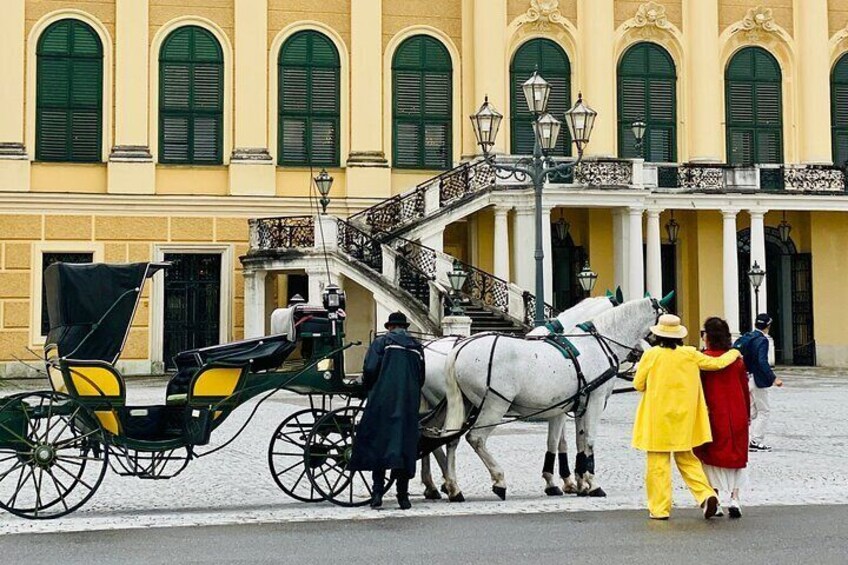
(387, 436)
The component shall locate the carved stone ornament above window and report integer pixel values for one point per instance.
(651, 14)
(758, 21)
(541, 14)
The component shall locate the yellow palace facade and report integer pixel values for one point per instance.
(138, 130)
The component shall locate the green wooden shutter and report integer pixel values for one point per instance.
(422, 105)
(552, 63)
(839, 111)
(309, 101)
(191, 98)
(754, 108)
(647, 91)
(69, 93)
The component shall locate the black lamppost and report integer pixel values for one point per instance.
(756, 276)
(324, 182)
(457, 280)
(638, 127)
(587, 279)
(580, 120)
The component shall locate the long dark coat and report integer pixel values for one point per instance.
(387, 436)
(726, 393)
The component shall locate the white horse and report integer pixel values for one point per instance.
(498, 374)
(435, 388)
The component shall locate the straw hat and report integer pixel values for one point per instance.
(669, 326)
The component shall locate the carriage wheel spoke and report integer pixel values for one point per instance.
(16, 436)
(299, 478)
(38, 503)
(289, 468)
(71, 441)
(287, 454)
(14, 468)
(20, 485)
(76, 478)
(61, 493)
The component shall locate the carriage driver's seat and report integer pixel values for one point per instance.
(96, 383)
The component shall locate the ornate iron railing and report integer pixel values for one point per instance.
(530, 309)
(465, 180)
(282, 233)
(603, 172)
(360, 246)
(416, 267)
(393, 212)
(814, 178)
(701, 177)
(487, 288)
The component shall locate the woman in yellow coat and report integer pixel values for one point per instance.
(672, 415)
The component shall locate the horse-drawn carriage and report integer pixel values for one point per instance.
(55, 445)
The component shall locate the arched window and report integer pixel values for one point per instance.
(422, 104)
(839, 111)
(552, 63)
(309, 91)
(69, 93)
(191, 98)
(754, 108)
(647, 91)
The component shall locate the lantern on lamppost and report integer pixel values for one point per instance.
(587, 279)
(324, 182)
(457, 278)
(756, 275)
(784, 229)
(638, 128)
(672, 228)
(562, 227)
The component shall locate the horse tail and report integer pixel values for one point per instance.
(455, 417)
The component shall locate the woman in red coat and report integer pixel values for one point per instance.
(726, 392)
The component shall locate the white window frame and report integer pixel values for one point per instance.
(39, 248)
(157, 300)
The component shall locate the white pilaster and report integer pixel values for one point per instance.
(730, 270)
(635, 260)
(548, 261)
(523, 249)
(502, 242)
(14, 161)
(654, 254)
(254, 304)
(758, 255)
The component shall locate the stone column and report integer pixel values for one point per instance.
(548, 262)
(14, 161)
(654, 254)
(524, 244)
(758, 254)
(470, 104)
(254, 304)
(490, 56)
(501, 242)
(730, 269)
(635, 260)
(700, 28)
(596, 21)
(368, 172)
(811, 38)
(252, 170)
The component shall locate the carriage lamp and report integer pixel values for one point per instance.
(672, 228)
(562, 227)
(587, 279)
(547, 131)
(580, 120)
(638, 128)
(324, 182)
(536, 91)
(457, 279)
(783, 229)
(333, 298)
(487, 122)
(756, 276)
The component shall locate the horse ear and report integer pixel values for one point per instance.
(610, 294)
(647, 294)
(666, 300)
(619, 295)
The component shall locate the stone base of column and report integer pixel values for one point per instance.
(131, 170)
(367, 159)
(368, 179)
(14, 168)
(456, 325)
(252, 172)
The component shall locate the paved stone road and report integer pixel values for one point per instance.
(809, 466)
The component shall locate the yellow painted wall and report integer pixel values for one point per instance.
(710, 259)
(218, 11)
(359, 324)
(829, 243)
(69, 177)
(333, 13)
(444, 15)
(191, 180)
(298, 182)
(731, 11)
(485, 240)
(600, 248)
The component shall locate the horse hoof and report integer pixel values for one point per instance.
(444, 489)
(553, 491)
(582, 493)
(457, 498)
(570, 490)
(432, 495)
(597, 493)
(500, 491)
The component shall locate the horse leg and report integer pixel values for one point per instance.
(442, 460)
(587, 427)
(491, 415)
(569, 485)
(451, 486)
(430, 490)
(555, 428)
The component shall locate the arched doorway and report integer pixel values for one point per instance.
(567, 261)
(789, 296)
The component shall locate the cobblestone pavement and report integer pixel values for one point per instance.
(809, 465)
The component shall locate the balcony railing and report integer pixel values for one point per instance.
(702, 177)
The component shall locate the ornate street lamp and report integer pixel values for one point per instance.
(783, 229)
(672, 228)
(580, 120)
(324, 182)
(587, 279)
(756, 276)
(638, 127)
(562, 227)
(457, 279)
(333, 298)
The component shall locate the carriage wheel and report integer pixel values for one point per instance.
(329, 451)
(52, 456)
(287, 455)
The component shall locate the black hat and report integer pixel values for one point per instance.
(397, 319)
(763, 321)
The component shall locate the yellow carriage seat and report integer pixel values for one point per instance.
(99, 385)
(217, 386)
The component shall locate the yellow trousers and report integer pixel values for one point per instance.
(658, 480)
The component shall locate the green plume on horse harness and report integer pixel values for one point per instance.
(665, 301)
(619, 295)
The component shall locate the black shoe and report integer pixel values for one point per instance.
(710, 507)
(376, 499)
(403, 501)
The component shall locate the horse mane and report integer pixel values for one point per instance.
(616, 317)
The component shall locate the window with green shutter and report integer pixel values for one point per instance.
(552, 63)
(754, 108)
(647, 91)
(422, 104)
(69, 93)
(309, 94)
(839, 111)
(191, 98)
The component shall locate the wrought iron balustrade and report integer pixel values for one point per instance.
(360, 246)
(701, 177)
(282, 233)
(486, 288)
(530, 309)
(393, 212)
(604, 172)
(465, 180)
(416, 267)
(814, 178)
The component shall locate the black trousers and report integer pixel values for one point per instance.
(401, 480)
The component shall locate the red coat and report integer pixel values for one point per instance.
(728, 403)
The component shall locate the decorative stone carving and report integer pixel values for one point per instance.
(651, 14)
(757, 22)
(541, 14)
(814, 178)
